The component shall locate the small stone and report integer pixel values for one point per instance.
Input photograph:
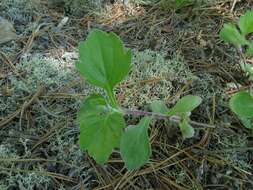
(7, 31)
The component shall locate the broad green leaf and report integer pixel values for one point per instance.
(246, 122)
(186, 129)
(249, 50)
(135, 147)
(246, 23)
(100, 128)
(242, 104)
(159, 107)
(103, 61)
(230, 34)
(185, 104)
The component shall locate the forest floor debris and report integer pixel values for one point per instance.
(175, 53)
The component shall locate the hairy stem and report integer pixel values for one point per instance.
(160, 116)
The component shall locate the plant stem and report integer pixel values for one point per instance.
(160, 116)
(112, 98)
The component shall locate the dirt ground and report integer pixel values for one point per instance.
(176, 52)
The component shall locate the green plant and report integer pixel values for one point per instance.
(102, 125)
(182, 108)
(241, 103)
(238, 38)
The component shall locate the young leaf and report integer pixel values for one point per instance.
(249, 50)
(230, 34)
(246, 23)
(159, 107)
(185, 104)
(242, 104)
(103, 61)
(186, 129)
(100, 128)
(135, 147)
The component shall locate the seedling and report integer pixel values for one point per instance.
(182, 108)
(104, 62)
(238, 38)
(241, 103)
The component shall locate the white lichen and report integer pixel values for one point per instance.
(154, 77)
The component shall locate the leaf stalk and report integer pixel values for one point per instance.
(159, 116)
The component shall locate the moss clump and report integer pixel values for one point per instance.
(48, 113)
(29, 181)
(10, 177)
(21, 13)
(42, 71)
(231, 147)
(154, 77)
(36, 71)
(7, 151)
